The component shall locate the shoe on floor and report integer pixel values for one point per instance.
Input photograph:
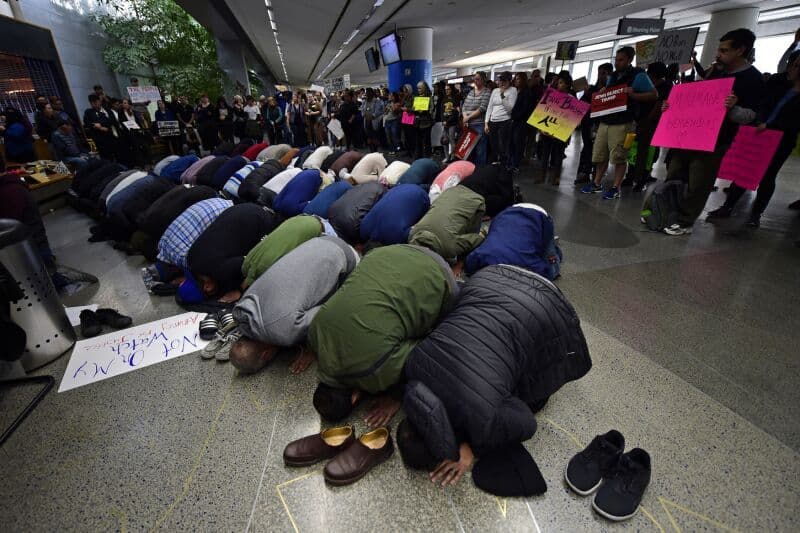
(586, 470)
(314, 448)
(90, 324)
(720, 212)
(112, 317)
(754, 221)
(611, 194)
(359, 458)
(677, 229)
(619, 497)
(591, 188)
(223, 354)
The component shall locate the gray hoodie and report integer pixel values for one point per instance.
(280, 305)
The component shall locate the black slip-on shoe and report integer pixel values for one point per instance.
(586, 470)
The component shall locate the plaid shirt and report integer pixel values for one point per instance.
(184, 230)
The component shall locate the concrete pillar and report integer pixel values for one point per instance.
(416, 49)
(230, 56)
(723, 22)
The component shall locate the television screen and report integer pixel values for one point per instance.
(566, 50)
(372, 59)
(390, 50)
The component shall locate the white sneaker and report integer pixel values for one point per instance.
(677, 229)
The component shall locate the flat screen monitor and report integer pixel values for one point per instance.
(390, 48)
(372, 59)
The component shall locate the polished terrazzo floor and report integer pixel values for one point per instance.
(694, 341)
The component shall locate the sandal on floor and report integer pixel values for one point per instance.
(209, 326)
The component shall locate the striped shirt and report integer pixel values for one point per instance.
(184, 230)
(473, 102)
(232, 185)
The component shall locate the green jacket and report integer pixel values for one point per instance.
(450, 227)
(394, 298)
(286, 237)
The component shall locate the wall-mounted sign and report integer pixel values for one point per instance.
(640, 26)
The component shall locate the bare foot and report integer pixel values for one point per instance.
(230, 297)
(302, 361)
(382, 411)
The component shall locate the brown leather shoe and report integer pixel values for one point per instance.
(315, 448)
(352, 464)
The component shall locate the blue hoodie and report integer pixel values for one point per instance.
(390, 219)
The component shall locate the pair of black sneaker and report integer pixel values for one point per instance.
(619, 479)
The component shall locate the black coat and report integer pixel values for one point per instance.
(346, 213)
(155, 221)
(512, 340)
(252, 184)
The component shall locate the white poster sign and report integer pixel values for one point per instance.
(335, 127)
(124, 351)
(317, 88)
(341, 83)
(675, 46)
(140, 95)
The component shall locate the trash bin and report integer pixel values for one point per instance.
(39, 312)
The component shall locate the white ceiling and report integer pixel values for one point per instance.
(477, 26)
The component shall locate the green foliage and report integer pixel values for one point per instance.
(159, 37)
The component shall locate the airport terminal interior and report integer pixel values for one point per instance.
(400, 265)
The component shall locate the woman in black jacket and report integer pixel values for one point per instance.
(780, 110)
(207, 124)
(523, 108)
(133, 145)
(224, 120)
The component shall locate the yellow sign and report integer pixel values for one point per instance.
(421, 103)
(558, 114)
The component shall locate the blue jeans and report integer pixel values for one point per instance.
(553, 269)
(478, 155)
(392, 128)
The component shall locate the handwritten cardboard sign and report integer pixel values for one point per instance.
(421, 103)
(645, 52)
(675, 46)
(558, 114)
(139, 95)
(124, 351)
(609, 101)
(694, 117)
(748, 158)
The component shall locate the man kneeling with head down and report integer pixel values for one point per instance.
(475, 382)
(364, 333)
(278, 308)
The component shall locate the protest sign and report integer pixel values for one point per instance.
(748, 158)
(581, 84)
(407, 119)
(609, 101)
(168, 128)
(340, 83)
(466, 143)
(558, 114)
(645, 52)
(316, 88)
(421, 103)
(124, 351)
(694, 117)
(675, 46)
(566, 50)
(335, 127)
(139, 95)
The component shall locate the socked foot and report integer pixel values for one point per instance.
(384, 408)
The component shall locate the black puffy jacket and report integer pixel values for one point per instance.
(346, 213)
(250, 188)
(512, 340)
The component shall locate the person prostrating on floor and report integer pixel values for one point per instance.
(364, 333)
(475, 382)
(278, 308)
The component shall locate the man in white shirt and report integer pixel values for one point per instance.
(498, 118)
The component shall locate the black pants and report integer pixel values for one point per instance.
(410, 134)
(423, 143)
(767, 186)
(500, 141)
(519, 138)
(552, 152)
(585, 164)
(299, 134)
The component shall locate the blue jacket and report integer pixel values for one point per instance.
(19, 143)
(390, 219)
(295, 196)
(174, 170)
(518, 236)
(422, 171)
(323, 201)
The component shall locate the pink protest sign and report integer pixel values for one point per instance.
(558, 114)
(695, 115)
(746, 161)
(407, 118)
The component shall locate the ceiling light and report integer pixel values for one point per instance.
(375, 6)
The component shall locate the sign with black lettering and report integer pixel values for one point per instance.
(675, 46)
(168, 128)
(640, 26)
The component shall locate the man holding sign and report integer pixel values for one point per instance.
(616, 124)
(699, 166)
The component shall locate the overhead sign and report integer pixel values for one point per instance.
(566, 50)
(337, 84)
(675, 46)
(609, 101)
(558, 114)
(141, 95)
(640, 26)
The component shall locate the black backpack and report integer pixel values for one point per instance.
(662, 206)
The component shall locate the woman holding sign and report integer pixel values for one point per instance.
(134, 150)
(423, 120)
